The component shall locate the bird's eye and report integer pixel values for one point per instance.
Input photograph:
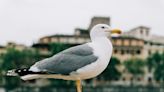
(102, 27)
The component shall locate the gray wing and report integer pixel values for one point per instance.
(68, 60)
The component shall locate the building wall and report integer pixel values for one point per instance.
(126, 48)
(98, 20)
(132, 44)
(66, 39)
(18, 47)
(153, 48)
(140, 32)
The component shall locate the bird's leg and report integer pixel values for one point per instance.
(78, 85)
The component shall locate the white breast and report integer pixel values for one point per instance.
(102, 49)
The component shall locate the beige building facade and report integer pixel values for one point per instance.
(19, 47)
(127, 47)
(135, 43)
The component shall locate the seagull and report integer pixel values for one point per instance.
(76, 63)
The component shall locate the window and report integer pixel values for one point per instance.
(138, 79)
(124, 79)
(138, 52)
(127, 51)
(115, 51)
(149, 79)
(141, 31)
(131, 79)
(122, 52)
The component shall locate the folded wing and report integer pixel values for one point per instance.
(67, 61)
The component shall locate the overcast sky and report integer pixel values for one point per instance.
(25, 21)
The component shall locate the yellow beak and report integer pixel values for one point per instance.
(116, 31)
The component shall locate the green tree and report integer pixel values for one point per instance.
(135, 66)
(18, 59)
(156, 62)
(15, 59)
(153, 60)
(11, 59)
(58, 47)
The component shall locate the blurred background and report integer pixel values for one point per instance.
(31, 30)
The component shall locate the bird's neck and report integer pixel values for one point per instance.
(102, 41)
(103, 46)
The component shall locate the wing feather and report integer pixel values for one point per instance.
(68, 60)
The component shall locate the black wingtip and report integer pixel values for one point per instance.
(22, 72)
(17, 72)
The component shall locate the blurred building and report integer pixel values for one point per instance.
(80, 36)
(135, 43)
(128, 47)
(19, 47)
(152, 43)
(9, 45)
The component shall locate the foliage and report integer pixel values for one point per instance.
(111, 72)
(58, 47)
(153, 60)
(18, 59)
(15, 59)
(135, 66)
(156, 62)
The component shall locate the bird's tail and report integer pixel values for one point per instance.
(12, 73)
(24, 74)
(18, 72)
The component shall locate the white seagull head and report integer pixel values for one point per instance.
(103, 30)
